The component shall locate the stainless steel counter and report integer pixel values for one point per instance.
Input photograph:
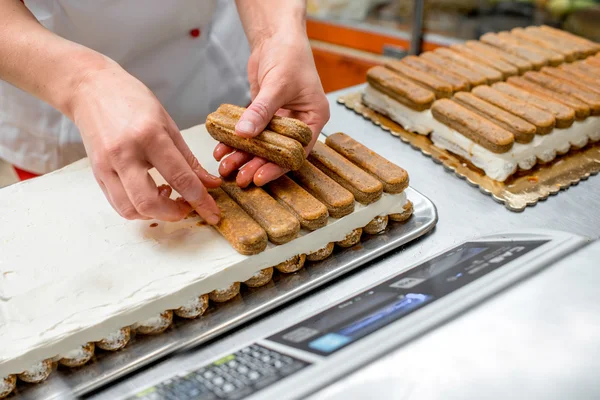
(552, 341)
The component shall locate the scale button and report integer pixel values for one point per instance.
(208, 375)
(242, 369)
(253, 375)
(232, 363)
(218, 381)
(228, 388)
(266, 359)
(277, 364)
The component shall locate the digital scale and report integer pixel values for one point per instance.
(310, 353)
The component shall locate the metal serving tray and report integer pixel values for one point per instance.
(219, 319)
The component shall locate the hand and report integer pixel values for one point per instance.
(126, 132)
(283, 81)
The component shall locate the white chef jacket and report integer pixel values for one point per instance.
(191, 53)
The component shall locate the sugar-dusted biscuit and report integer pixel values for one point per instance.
(290, 127)
(377, 225)
(79, 356)
(405, 215)
(536, 59)
(475, 78)
(578, 50)
(7, 385)
(582, 76)
(292, 265)
(242, 232)
(400, 89)
(365, 188)
(457, 82)
(521, 129)
(552, 57)
(491, 75)
(593, 86)
(281, 226)
(582, 110)
(338, 200)
(473, 126)
(393, 178)
(281, 150)
(498, 64)
(225, 294)
(116, 340)
(311, 213)
(260, 278)
(430, 82)
(194, 307)
(569, 53)
(543, 120)
(493, 52)
(321, 254)
(37, 373)
(351, 239)
(155, 325)
(592, 47)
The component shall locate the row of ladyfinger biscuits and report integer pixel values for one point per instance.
(417, 82)
(261, 210)
(499, 115)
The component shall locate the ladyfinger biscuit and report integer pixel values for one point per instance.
(7, 385)
(320, 254)
(339, 201)
(194, 308)
(590, 98)
(155, 325)
(292, 265)
(400, 89)
(225, 294)
(565, 116)
(457, 82)
(261, 278)
(533, 57)
(365, 188)
(290, 127)
(580, 51)
(351, 239)
(572, 79)
(494, 52)
(522, 130)
(405, 215)
(592, 46)
(552, 57)
(281, 150)
(79, 356)
(311, 213)
(491, 75)
(430, 82)
(582, 110)
(570, 54)
(471, 125)
(581, 75)
(589, 67)
(496, 63)
(377, 225)
(475, 78)
(116, 340)
(241, 231)
(281, 226)
(543, 121)
(393, 178)
(37, 373)
(595, 60)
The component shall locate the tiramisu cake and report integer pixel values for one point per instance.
(342, 191)
(503, 103)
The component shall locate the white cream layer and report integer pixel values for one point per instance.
(72, 271)
(497, 166)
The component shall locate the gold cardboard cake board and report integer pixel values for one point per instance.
(524, 189)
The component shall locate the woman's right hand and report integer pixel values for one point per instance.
(126, 131)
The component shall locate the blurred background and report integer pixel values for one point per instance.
(350, 36)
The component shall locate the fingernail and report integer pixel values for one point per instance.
(213, 219)
(246, 127)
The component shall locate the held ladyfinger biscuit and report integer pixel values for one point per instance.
(393, 178)
(536, 59)
(430, 82)
(194, 308)
(292, 265)
(37, 373)
(281, 150)
(457, 82)
(474, 77)
(564, 115)
(570, 54)
(321, 254)
(493, 52)
(339, 201)
(592, 85)
(7, 385)
(521, 129)
(496, 63)
(281, 226)
(225, 294)
(365, 188)
(290, 127)
(590, 98)
(243, 233)
(400, 89)
(311, 213)
(543, 121)
(116, 340)
(473, 126)
(552, 57)
(582, 110)
(78, 357)
(491, 75)
(260, 278)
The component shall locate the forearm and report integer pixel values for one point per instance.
(39, 62)
(263, 19)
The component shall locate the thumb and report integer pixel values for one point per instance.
(258, 115)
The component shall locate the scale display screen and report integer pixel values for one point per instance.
(351, 320)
